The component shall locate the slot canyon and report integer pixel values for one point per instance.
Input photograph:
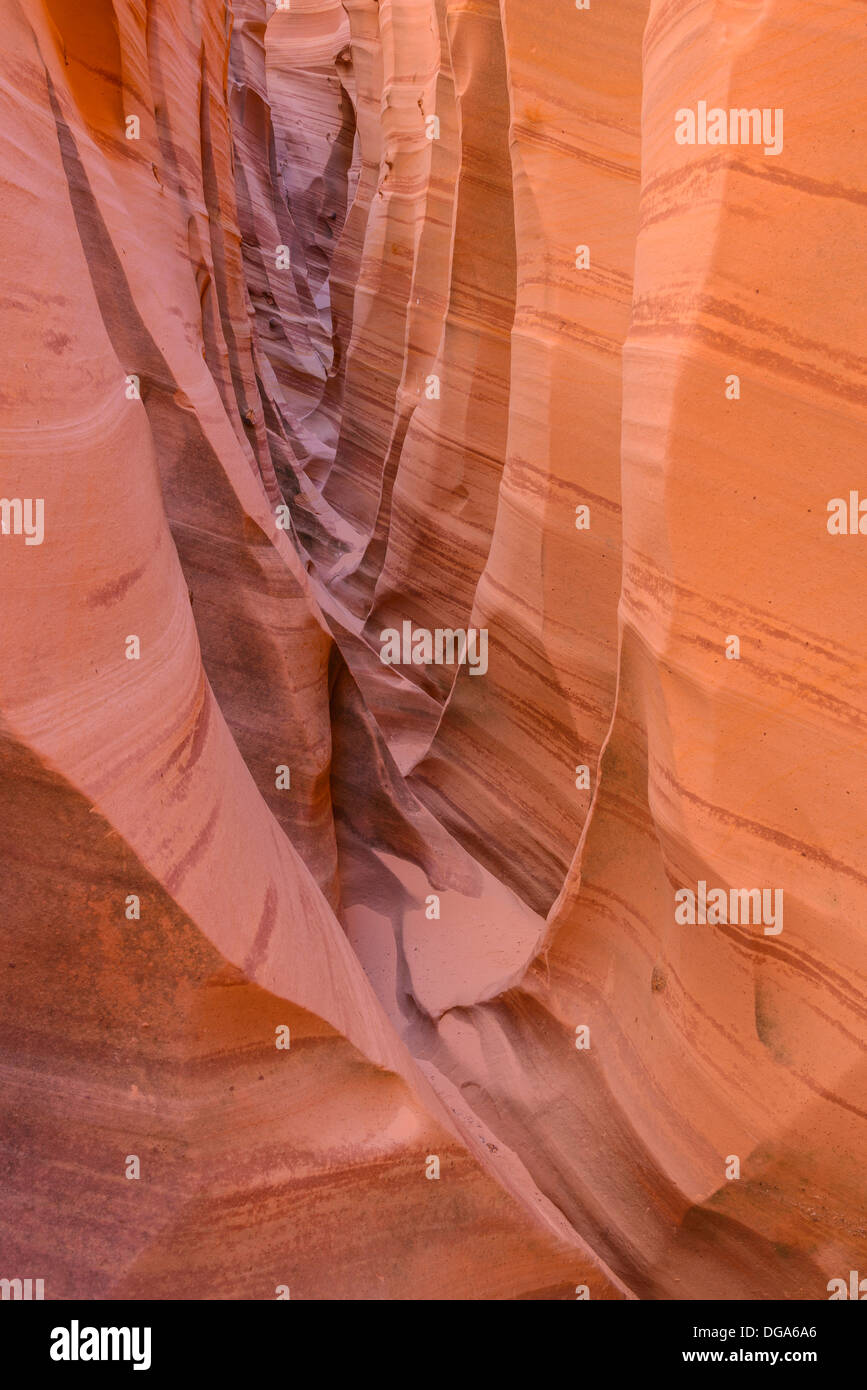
(362, 975)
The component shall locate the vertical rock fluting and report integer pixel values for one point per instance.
(323, 319)
(507, 748)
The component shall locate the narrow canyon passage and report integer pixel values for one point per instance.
(432, 718)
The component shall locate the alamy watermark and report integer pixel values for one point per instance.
(744, 906)
(738, 126)
(847, 518)
(23, 516)
(445, 646)
(856, 1288)
(25, 1289)
(75, 1343)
